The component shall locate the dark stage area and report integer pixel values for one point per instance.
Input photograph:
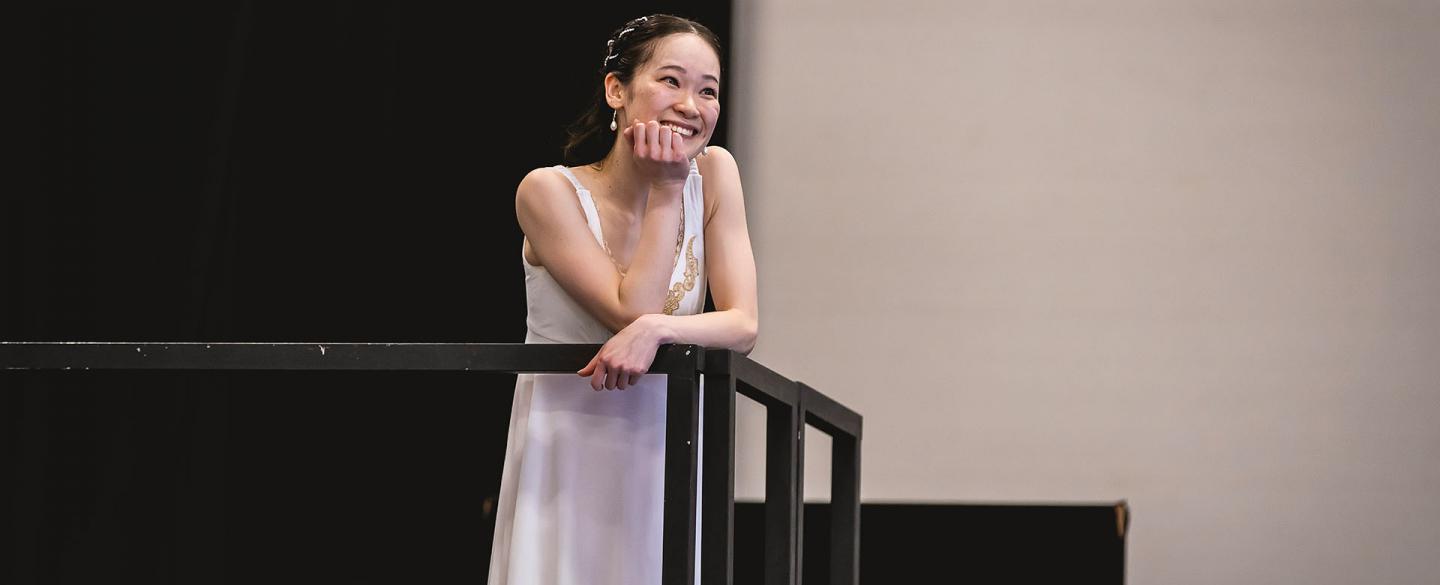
(241, 171)
(957, 543)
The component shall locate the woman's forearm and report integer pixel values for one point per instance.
(730, 329)
(643, 288)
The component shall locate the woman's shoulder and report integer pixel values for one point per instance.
(718, 167)
(716, 160)
(722, 179)
(544, 179)
(545, 192)
(544, 184)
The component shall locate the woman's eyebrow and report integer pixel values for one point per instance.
(682, 70)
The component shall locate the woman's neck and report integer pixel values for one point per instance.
(623, 186)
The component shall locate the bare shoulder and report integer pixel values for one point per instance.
(722, 179)
(717, 161)
(547, 209)
(543, 191)
(540, 185)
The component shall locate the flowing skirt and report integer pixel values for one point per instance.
(582, 492)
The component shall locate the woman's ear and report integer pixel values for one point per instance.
(614, 91)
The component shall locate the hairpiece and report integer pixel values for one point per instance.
(610, 44)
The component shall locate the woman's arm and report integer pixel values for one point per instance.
(730, 266)
(731, 271)
(554, 224)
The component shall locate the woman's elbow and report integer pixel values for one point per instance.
(750, 330)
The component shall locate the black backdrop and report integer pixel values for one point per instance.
(238, 171)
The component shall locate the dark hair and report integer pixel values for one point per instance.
(629, 47)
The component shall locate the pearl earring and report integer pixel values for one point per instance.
(613, 125)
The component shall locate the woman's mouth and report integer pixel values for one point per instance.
(681, 130)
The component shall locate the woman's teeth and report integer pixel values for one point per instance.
(681, 131)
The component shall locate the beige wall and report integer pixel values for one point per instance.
(1183, 253)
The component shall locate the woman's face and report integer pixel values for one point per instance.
(679, 87)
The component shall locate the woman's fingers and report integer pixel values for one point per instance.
(607, 371)
(658, 150)
(611, 376)
(625, 379)
(597, 380)
(678, 149)
(590, 367)
(652, 134)
(637, 138)
(668, 140)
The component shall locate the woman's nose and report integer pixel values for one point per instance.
(687, 107)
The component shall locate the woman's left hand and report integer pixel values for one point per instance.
(625, 357)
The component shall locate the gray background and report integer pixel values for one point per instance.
(1183, 253)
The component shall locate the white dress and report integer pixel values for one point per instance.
(581, 495)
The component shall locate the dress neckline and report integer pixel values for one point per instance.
(586, 195)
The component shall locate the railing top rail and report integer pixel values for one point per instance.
(765, 385)
(290, 356)
(828, 415)
(753, 379)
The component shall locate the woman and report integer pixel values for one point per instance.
(619, 251)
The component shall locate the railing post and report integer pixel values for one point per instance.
(682, 416)
(781, 507)
(717, 516)
(845, 510)
(845, 429)
(799, 483)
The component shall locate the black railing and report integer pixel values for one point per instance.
(789, 407)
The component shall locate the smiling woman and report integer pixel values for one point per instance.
(620, 251)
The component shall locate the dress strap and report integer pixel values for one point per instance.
(569, 174)
(587, 203)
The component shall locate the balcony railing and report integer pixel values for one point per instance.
(789, 407)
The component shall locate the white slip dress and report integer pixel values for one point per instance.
(582, 491)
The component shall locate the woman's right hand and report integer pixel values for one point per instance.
(659, 153)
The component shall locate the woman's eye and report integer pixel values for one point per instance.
(710, 92)
(673, 81)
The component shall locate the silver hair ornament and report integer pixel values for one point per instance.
(610, 44)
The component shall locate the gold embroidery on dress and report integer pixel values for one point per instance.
(678, 290)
